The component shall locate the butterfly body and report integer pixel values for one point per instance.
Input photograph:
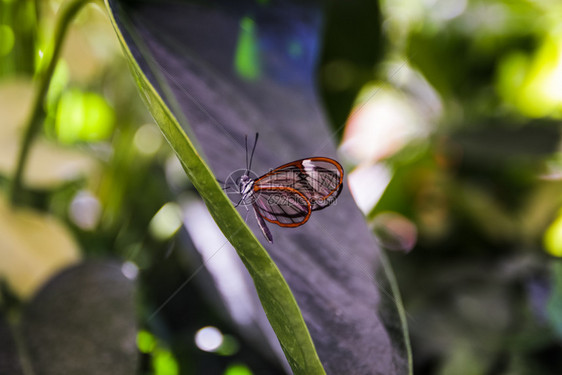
(246, 186)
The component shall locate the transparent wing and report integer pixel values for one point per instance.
(319, 179)
(283, 206)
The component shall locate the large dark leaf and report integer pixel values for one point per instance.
(226, 70)
(83, 322)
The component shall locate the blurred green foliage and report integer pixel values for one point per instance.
(481, 285)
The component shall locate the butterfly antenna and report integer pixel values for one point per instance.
(246, 145)
(253, 149)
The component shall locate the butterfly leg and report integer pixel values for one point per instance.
(246, 217)
(238, 204)
(263, 226)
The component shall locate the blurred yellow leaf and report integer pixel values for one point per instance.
(90, 44)
(48, 165)
(77, 52)
(33, 247)
(15, 104)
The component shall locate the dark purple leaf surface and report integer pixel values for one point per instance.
(190, 53)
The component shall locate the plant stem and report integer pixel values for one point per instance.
(66, 14)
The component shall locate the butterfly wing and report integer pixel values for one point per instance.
(319, 179)
(282, 205)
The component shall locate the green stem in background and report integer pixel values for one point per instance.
(67, 13)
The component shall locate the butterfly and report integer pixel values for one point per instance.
(288, 194)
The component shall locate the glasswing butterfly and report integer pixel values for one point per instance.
(288, 194)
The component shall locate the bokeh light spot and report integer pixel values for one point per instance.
(553, 238)
(130, 270)
(6, 40)
(85, 210)
(164, 363)
(238, 369)
(83, 116)
(208, 339)
(246, 61)
(533, 83)
(145, 341)
(148, 139)
(166, 222)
